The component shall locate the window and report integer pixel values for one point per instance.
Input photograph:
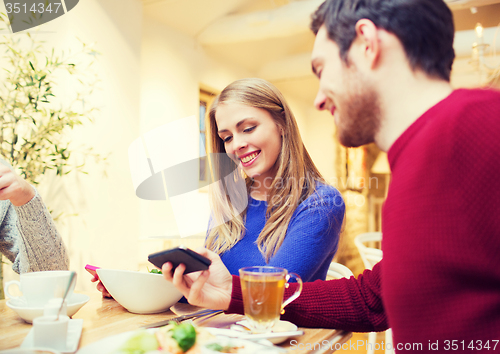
(203, 158)
(206, 98)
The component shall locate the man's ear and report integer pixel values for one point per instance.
(367, 39)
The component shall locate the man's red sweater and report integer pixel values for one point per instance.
(439, 281)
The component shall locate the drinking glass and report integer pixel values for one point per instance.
(263, 289)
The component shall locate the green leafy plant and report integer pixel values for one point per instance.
(36, 117)
(34, 122)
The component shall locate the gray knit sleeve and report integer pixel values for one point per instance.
(9, 235)
(29, 238)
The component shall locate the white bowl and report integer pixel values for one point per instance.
(139, 292)
(75, 302)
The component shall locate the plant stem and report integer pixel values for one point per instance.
(2, 295)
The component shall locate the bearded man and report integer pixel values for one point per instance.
(384, 69)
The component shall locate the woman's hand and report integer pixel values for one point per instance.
(100, 286)
(14, 187)
(210, 288)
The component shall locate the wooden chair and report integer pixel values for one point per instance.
(337, 271)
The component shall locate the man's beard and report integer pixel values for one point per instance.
(358, 111)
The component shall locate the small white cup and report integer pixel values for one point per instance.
(49, 333)
(39, 287)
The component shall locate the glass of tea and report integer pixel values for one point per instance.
(263, 289)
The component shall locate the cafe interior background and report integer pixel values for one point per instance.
(161, 60)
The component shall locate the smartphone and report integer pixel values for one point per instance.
(92, 270)
(193, 261)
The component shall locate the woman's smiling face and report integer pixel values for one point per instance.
(251, 137)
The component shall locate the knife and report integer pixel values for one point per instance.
(259, 336)
(201, 313)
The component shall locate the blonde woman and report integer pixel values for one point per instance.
(293, 219)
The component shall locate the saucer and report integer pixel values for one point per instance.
(280, 326)
(75, 302)
(74, 333)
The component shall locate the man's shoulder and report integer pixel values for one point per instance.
(476, 102)
(466, 118)
(464, 112)
(472, 112)
(480, 92)
(462, 126)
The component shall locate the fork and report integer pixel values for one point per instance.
(178, 319)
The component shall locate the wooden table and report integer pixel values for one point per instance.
(105, 317)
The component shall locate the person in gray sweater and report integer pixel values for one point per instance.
(28, 235)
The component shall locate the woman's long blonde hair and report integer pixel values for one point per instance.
(295, 179)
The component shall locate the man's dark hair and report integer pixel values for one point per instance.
(424, 27)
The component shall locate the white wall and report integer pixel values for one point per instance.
(105, 230)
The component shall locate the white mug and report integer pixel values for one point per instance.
(39, 287)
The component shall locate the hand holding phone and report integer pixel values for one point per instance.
(100, 286)
(92, 270)
(193, 261)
